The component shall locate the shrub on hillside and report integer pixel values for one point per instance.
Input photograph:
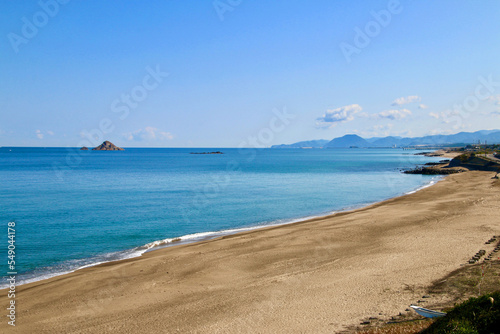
(476, 315)
(463, 157)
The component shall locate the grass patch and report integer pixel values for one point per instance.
(471, 281)
(465, 309)
(403, 328)
(476, 315)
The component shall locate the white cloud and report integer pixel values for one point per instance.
(449, 116)
(460, 126)
(384, 130)
(149, 133)
(40, 134)
(438, 131)
(383, 127)
(495, 98)
(422, 106)
(379, 130)
(393, 114)
(406, 133)
(433, 114)
(405, 100)
(342, 114)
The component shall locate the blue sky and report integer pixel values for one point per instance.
(231, 73)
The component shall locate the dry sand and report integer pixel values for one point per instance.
(317, 276)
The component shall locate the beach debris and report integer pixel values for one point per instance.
(216, 152)
(495, 250)
(477, 256)
(493, 239)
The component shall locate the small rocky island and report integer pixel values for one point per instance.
(107, 146)
(85, 148)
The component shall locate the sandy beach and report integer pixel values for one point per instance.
(316, 276)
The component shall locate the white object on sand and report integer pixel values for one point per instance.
(427, 313)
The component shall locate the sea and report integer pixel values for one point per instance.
(73, 209)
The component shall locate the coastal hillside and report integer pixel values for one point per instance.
(488, 136)
(305, 144)
(347, 141)
(465, 159)
(473, 161)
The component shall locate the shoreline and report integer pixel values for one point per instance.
(320, 275)
(156, 245)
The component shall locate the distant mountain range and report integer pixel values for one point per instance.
(310, 143)
(350, 140)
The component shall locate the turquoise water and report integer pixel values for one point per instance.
(76, 208)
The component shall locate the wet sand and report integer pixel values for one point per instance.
(316, 276)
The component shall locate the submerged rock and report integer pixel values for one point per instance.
(434, 170)
(216, 152)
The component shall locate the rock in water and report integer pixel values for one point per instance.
(107, 146)
(84, 148)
